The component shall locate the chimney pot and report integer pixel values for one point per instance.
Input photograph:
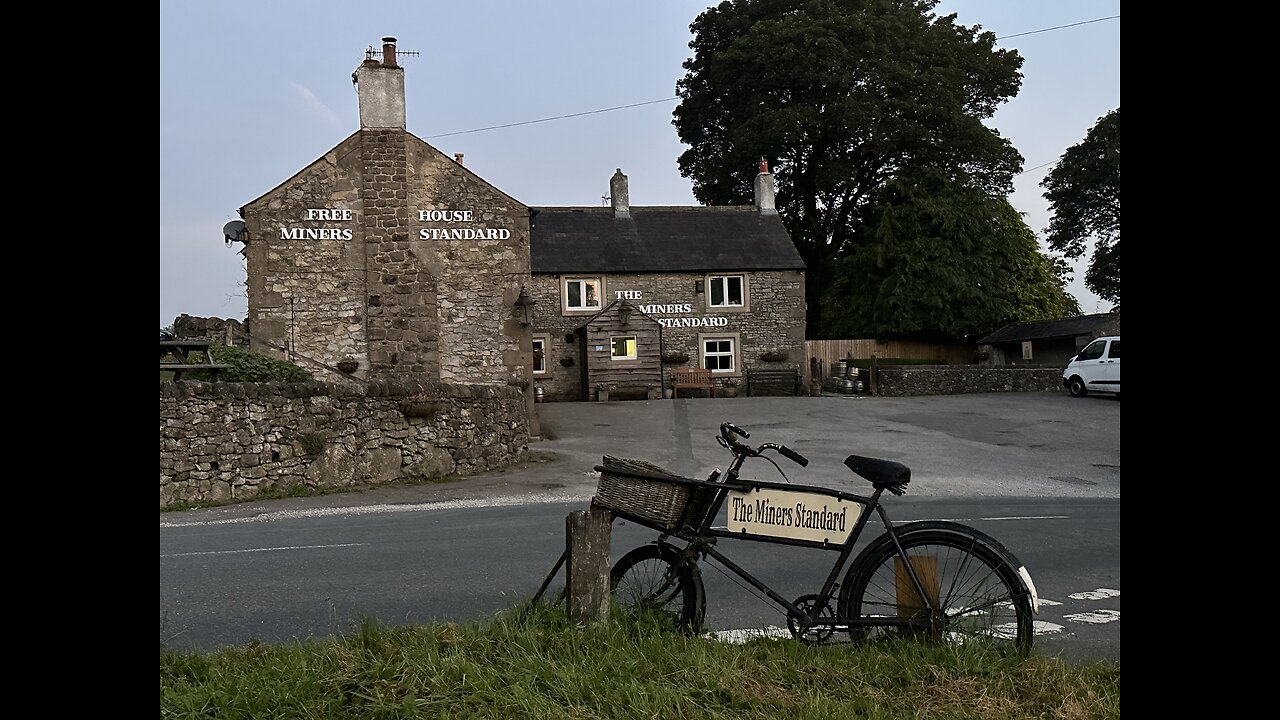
(619, 195)
(389, 51)
(457, 157)
(764, 190)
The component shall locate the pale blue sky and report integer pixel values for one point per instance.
(253, 91)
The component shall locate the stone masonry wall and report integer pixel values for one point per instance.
(477, 277)
(404, 333)
(221, 442)
(409, 297)
(773, 319)
(307, 295)
(901, 380)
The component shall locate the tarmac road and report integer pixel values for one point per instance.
(1038, 471)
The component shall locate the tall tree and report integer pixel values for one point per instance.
(842, 96)
(1083, 191)
(942, 260)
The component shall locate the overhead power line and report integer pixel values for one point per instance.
(557, 117)
(1058, 27)
(669, 99)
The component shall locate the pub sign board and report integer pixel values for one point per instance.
(790, 514)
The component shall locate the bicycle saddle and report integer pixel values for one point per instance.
(883, 474)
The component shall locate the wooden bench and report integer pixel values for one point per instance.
(772, 382)
(178, 368)
(695, 379)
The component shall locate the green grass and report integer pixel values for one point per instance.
(541, 666)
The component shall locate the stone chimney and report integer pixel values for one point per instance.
(619, 196)
(764, 190)
(381, 89)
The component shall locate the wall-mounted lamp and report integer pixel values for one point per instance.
(524, 307)
(697, 287)
(624, 314)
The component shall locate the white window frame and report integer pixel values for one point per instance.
(545, 341)
(584, 280)
(735, 353)
(635, 347)
(723, 280)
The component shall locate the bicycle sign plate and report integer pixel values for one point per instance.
(789, 514)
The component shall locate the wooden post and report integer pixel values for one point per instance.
(875, 376)
(587, 570)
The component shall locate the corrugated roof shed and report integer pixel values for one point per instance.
(659, 239)
(1047, 329)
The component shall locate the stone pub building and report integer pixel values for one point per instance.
(386, 251)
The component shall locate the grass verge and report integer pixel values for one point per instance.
(539, 665)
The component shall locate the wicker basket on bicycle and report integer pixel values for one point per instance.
(650, 495)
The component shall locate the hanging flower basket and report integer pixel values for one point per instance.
(566, 361)
(348, 365)
(774, 356)
(675, 358)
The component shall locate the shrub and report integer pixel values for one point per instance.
(249, 366)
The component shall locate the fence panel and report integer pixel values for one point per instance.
(829, 351)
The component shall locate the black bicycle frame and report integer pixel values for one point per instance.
(704, 539)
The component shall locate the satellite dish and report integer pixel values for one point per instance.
(233, 232)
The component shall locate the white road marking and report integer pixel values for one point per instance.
(1004, 631)
(1095, 617)
(1099, 594)
(1049, 602)
(1040, 627)
(267, 549)
(977, 519)
(540, 498)
(737, 637)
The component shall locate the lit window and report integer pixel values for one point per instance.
(717, 355)
(582, 294)
(539, 355)
(725, 291)
(623, 348)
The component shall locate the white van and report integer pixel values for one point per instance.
(1095, 369)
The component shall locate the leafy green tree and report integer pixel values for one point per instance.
(942, 260)
(1083, 191)
(843, 96)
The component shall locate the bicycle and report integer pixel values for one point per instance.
(929, 579)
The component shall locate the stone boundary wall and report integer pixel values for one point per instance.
(223, 442)
(902, 380)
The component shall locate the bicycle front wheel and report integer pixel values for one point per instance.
(971, 581)
(654, 582)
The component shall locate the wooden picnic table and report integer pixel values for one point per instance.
(176, 357)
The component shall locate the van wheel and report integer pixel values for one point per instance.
(1077, 387)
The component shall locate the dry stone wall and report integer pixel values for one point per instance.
(222, 442)
(901, 380)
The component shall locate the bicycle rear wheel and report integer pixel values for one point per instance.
(655, 582)
(971, 580)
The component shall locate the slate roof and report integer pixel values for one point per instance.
(659, 239)
(1048, 329)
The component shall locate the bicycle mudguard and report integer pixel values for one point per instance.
(901, 531)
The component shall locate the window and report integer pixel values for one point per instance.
(718, 354)
(582, 294)
(1114, 352)
(540, 354)
(726, 291)
(1093, 351)
(623, 348)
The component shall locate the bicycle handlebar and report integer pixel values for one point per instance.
(796, 457)
(726, 428)
(727, 440)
